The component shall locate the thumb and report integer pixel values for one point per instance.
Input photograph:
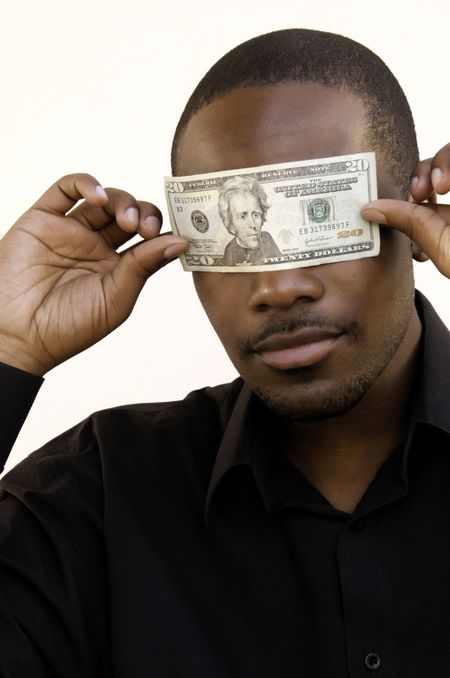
(426, 224)
(138, 263)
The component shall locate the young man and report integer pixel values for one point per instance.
(293, 523)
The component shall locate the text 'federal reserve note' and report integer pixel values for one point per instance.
(276, 216)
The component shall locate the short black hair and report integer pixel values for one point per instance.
(304, 55)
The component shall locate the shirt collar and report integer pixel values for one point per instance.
(235, 447)
(245, 435)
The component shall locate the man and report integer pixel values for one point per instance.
(243, 209)
(293, 523)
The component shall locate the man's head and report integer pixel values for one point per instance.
(243, 209)
(302, 55)
(312, 342)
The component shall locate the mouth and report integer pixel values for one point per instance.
(253, 240)
(302, 348)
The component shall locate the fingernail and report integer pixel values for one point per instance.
(174, 250)
(372, 214)
(436, 176)
(152, 224)
(132, 215)
(101, 192)
(414, 183)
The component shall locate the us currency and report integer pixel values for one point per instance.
(273, 217)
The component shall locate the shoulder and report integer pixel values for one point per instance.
(269, 245)
(127, 433)
(119, 457)
(202, 413)
(266, 237)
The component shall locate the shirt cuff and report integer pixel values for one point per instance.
(18, 389)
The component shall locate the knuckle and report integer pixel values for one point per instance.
(426, 216)
(142, 269)
(442, 157)
(422, 165)
(78, 177)
(417, 216)
(416, 211)
(145, 204)
(149, 208)
(122, 198)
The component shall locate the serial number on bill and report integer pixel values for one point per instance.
(324, 228)
(190, 200)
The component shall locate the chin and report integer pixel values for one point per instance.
(314, 404)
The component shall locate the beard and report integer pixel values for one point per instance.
(309, 397)
(306, 402)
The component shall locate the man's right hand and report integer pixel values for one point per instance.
(63, 286)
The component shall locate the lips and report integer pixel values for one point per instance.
(302, 348)
(253, 240)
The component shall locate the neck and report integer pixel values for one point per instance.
(342, 455)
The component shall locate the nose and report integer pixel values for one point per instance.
(282, 289)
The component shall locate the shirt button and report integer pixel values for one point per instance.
(359, 524)
(372, 661)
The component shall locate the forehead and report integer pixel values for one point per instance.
(289, 121)
(241, 200)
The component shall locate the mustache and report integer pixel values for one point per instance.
(302, 320)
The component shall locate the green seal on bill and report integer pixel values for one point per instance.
(319, 210)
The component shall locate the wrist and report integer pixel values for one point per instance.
(14, 355)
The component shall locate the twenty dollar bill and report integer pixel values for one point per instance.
(276, 216)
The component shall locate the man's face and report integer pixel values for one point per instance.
(312, 342)
(246, 219)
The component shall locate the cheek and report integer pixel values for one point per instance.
(222, 297)
(381, 287)
(394, 265)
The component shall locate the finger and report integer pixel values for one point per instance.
(440, 171)
(68, 190)
(150, 220)
(123, 209)
(137, 263)
(135, 216)
(421, 186)
(427, 225)
(105, 219)
(149, 226)
(115, 236)
(431, 175)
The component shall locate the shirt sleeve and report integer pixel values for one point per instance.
(18, 389)
(53, 583)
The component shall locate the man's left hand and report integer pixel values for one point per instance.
(424, 221)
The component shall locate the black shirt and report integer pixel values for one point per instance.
(175, 540)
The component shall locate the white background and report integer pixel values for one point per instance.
(98, 85)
